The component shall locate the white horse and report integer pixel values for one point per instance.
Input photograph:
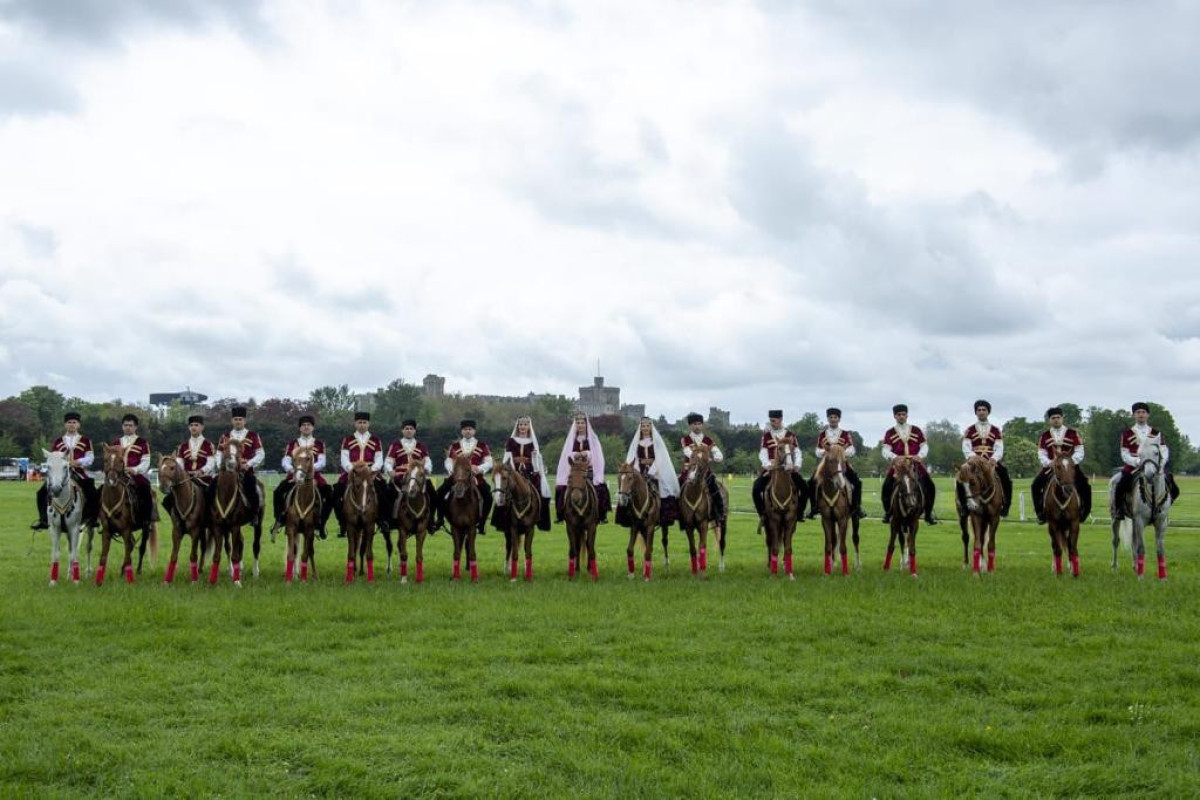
(65, 512)
(1150, 505)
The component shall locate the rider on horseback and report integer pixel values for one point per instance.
(525, 455)
(985, 440)
(78, 450)
(1132, 441)
(362, 445)
(137, 464)
(825, 439)
(582, 443)
(307, 424)
(695, 436)
(648, 452)
(905, 440)
(1059, 440)
(252, 453)
(407, 450)
(481, 464)
(773, 437)
(197, 458)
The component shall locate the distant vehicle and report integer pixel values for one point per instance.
(11, 469)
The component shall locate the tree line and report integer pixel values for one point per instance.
(30, 421)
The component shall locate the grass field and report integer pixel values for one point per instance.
(876, 685)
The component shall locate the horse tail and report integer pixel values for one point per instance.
(1125, 530)
(153, 542)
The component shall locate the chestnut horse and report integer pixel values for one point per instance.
(781, 509)
(524, 504)
(360, 511)
(984, 499)
(464, 507)
(581, 513)
(696, 508)
(302, 514)
(116, 511)
(65, 501)
(908, 503)
(414, 515)
(635, 493)
(230, 511)
(833, 502)
(189, 514)
(1062, 508)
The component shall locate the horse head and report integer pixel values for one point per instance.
(577, 476)
(1150, 456)
(414, 479)
(1063, 468)
(833, 464)
(58, 472)
(232, 452)
(908, 489)
(782, 451)
(699, 464)
(114, 464)
(302, 464)
(169, 472)
(361, 474)
(626, 480)
(461, 475)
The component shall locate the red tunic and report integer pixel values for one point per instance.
(1071, 440)
(1130, 442)
(522, 456)
(476, 456)
(687, 441)
(193, 463)
(318, 448)
(82, 447)
(770, 443)
(402, 458)
(250, 445)
(133, 457)
(983, 444)
(905, 446)
(362, 452)
(844, 439)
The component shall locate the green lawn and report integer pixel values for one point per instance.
(877, 685)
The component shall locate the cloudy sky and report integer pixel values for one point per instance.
(741, 204)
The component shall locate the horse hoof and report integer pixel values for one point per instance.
(54, 583)
(721, 567)
(238, 584)
(403, 579)
(630, 575)
(791, 577)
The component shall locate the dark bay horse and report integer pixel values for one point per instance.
(414, 516)
(360, 511)
(302, 515)
(635, 493)
(581, 513)
(696, 508)
(464, 507)
(230, 511)
(1062, 507)
(982, 501)
(189, 514)
(116, 511)
(524, 505)
(781, 507)
(832, 500)
(908, 503)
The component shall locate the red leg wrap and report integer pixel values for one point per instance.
(100, 575)
(54, 571)
(170, 572)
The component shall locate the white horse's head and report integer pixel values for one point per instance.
(1150, 454)
(58, 472)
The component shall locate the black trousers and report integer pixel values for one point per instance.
(1082, 485)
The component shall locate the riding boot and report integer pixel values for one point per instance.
(43, 521)
(885, 496)
(855, 495)
(1006, 485)
(930, 496)
(326, 492)
(812, 493)
(485, 499)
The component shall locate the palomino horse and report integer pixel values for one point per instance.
(832, 501)
(230, 511)
(302, 514)
(414, 515)
(116, 511)
(464, 507)
(524, 504)
(66, 502)
(983, 499)
(581, 513)
(696, 511)
(635, 493)
(908, 502)
(781, 509)
(1062, 508)
(1151, 505)
(189, 514)
(360, 511)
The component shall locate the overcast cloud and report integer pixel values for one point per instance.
(740, 204)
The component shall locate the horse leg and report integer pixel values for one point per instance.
(690, 530)
(990, 531)
(666, 556)
(458, 547)
(387, 540)
(351, 551)
(593, 567)
(421, 534)
(127, 563)
(721, 527)
(1057, 546)
(176, 541)
(471, 562)
(290, 547)
(402, 546)
(633, 535)
(912, 548)
(257, 524)
(1160, 532)
(91, 537)
(146, 535)
(843, 525)
(237, 553)
(789, 536)
(829, 534)
(854, 537)
(368, 548)
(772, 548)
(572, 551)
(54, 551)
(962, 524)
(891, 548)
(1116, 540)
(704, 546)
(105, 544)
(1073, 545)
(529, 553)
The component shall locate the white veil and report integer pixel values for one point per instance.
(663, 469)
(596, 455)
(539, 465)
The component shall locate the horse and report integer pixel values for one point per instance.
(524, 504)
(1062, 508)
(230, 511)
(302, 514)
(696, 511)
(464, 507)
(908, 503)
(189, 514)
(1151, 505)
(414, 515)
(635, 493)
(832, 501)
(360, 511)
(581, 513)
(981, 503)
(66, 501)
(781, 509)
(116, 511)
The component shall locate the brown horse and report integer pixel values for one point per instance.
(1062, 505)
(981, 501)
(189, 514)
(524, 505)
(302, 514)
(116, 511)
(464, 507)
(635, 493)
(696, 508)
(581, 513)
(230, 511)
(781, 508)
(360, 511)
(908, 503)
(414, 515)
(832, 501)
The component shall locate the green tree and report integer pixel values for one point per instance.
(332, 401)
(396, 401)
(1102, 439)
(807, 428)
(47, 406)
(1021, 428)
(1020, 457)
(945, 445)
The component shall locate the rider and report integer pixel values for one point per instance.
(481, 464)
(985, 440)
(648, 452)
(360, 446)
(407, 450)
(774, 436)
(251, 450)
(1131, 443)
(197, 458)
(307, 424)
(582, 442)
(689, 440)
(78, 450)
(137, 464)
(1060, 440)
(523, 454)
(825, 439)
(903, 439)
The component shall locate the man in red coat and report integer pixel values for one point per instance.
(774, 437)
(137, 465)
(1059, 440)
(1132, 441)
(481, 465)
(360, 446)
(197, 457)
(78, 450)
(251, 449)
(405, 451)
(987, 441)
(306, 424)
(900, 440)
(689, 440)
(831, 435)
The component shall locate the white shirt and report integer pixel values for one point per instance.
(303, 441)
(408, 445)
(795, 457)
(832, 435)
(468, 447)
(1057, 434)
(194, 443)
(144, 465)
(70, 440)
(983, 428)
(698, 438)
(362, 439)
(1142, 432)
(238, 435)
(904, 432)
